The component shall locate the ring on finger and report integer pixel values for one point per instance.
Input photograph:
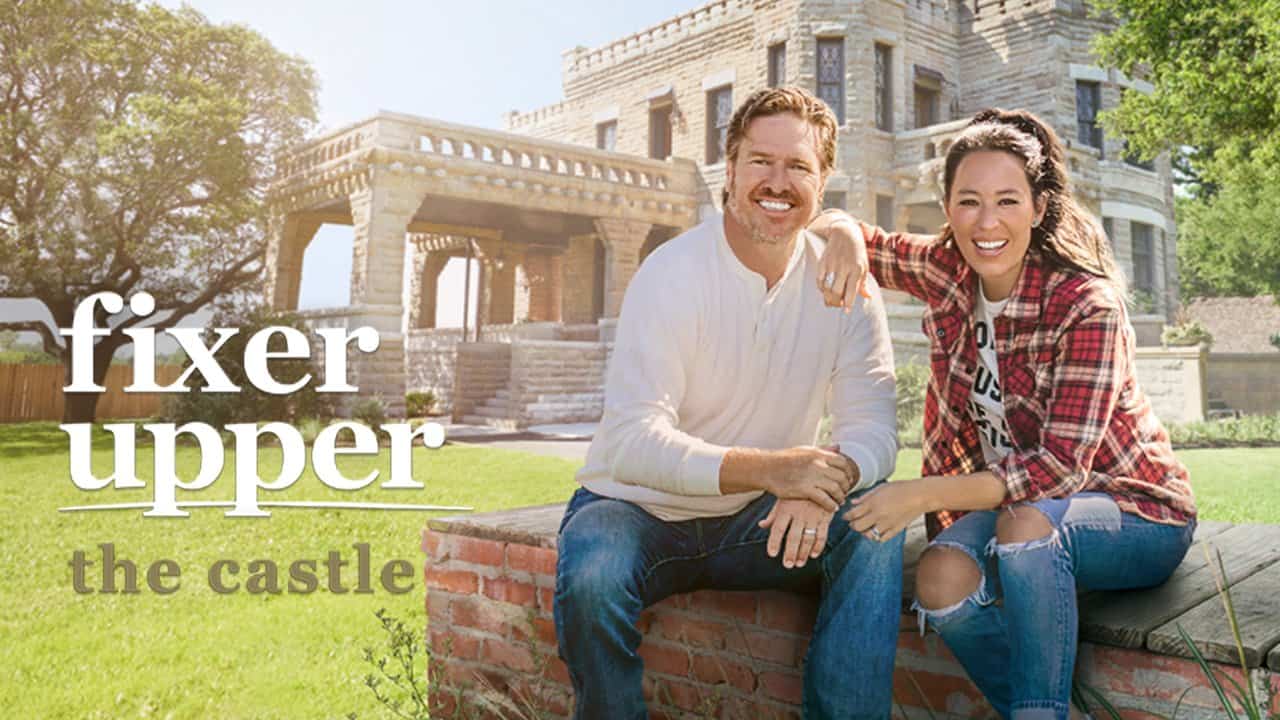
(875, 533)
(830, 279)
(810, 531)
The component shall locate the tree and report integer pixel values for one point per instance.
(136, 146)
(1215, 68)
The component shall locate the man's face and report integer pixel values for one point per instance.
(775, 183)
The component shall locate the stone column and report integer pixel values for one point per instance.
(380, 215)
(287, 240)
(425, 278)
(622, 241)
(555, 287)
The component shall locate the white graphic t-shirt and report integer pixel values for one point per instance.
(986, 405)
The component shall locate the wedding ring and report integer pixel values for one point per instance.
(830, 279)
(810, 531)
(875, 533)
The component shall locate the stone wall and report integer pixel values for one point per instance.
(1248, 382)
(558, 382)
(482, 370)
(1174, 380)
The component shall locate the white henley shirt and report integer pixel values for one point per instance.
(706, 359)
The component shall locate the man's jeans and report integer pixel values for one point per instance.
(616, 559)
(1022, 654)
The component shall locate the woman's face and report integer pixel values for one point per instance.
(991, 212)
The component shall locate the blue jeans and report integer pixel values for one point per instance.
(616, 559)
(1022, 654)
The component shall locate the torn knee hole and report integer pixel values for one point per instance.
(1021, 524)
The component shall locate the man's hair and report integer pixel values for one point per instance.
(788, 99)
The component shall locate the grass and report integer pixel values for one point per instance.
(196, 654)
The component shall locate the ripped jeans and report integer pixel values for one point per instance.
(1021, 653)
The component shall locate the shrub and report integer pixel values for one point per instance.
(1249, 431)
(1275, 341)
(419, 404)
(250, 404)
(913, 379)
(370, 411)
(1189, 332)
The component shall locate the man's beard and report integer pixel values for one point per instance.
(755, 229)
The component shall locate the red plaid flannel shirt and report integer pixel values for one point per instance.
(1078, 420)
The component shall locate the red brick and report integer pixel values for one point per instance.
(475, 612)
(717, 670)
(663, 658)
(438, 605)
(780, 648)
(431, 543)
(940, 692)
(541, 561)
(691, 631)
(474, 550)
(1141, 674)
(446, 644)
(456, 581)
(546, 600)
(510, 591)
(544, 631)
(788, 613)
(738, 605)
(676, 693)
(508, 655)
(557, 671)
(786, 687)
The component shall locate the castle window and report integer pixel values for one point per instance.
(719, 112)
(1088, 103)
(884, 87)
(1143, 256)
(660, 131)
(928, 97)
(607, 135)
(777, 64)
(831, 74)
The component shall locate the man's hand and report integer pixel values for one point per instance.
(804, 526)
(818, 475)
(842, 271)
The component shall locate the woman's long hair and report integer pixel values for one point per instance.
(1067, 235)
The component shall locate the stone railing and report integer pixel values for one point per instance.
(912, 147)
(1174, 379)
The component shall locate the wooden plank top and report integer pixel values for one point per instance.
(1257, 616)
(1126, 619)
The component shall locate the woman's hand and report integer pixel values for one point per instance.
(887, 510)
(842, 270)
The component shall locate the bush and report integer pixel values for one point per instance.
(370, 411)
(913, 380)
(419, 404)
(1246, 431)
(1188, 332)
(1275, 341)
(250, 404)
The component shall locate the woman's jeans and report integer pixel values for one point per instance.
(1021, 654)
(616, 559)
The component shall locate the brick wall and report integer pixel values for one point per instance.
(719, 654)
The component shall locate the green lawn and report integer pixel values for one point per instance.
(196, 654)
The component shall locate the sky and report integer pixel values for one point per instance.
(465, 61)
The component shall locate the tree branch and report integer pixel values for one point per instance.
(47, 336)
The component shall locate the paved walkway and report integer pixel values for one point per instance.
(564, 441)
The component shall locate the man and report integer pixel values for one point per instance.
(703, 467)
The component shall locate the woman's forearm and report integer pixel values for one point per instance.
(976, 491)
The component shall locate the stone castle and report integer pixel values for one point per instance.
(559, 210)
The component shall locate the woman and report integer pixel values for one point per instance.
(1045, 470)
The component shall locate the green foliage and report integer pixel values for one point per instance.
(1142, 301)
(1189, 332)
(1248, 430)
(399, 678)
(1215, 68)
(1229, 243)
(250, 404)
(370, 411)
(419, 404)
(138, 145)
(913, 380)
(1275, 341)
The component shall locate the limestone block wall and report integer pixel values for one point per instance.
(430, 363)
(1246, 381)
(579, 263)
(1175, 381)
(482, 370)
(557, 381)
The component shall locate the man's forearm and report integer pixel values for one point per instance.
(746, 470)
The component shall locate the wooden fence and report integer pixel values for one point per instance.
(34, 392)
